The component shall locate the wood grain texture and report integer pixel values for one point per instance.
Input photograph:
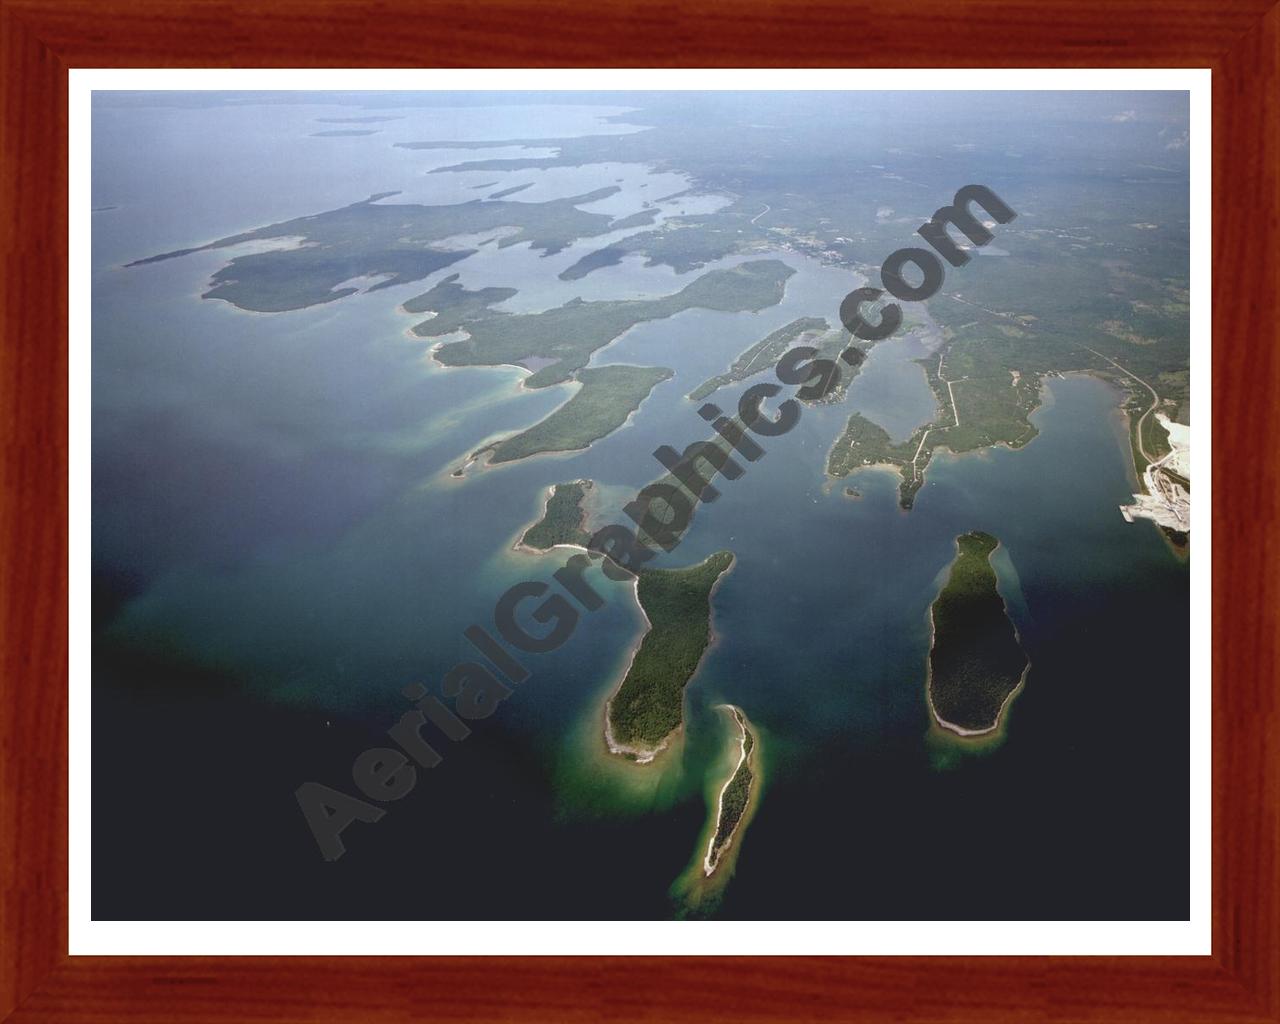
(41, 39)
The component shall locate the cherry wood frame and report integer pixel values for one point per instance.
(41, 39)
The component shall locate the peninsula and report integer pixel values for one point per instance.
(563, 339)
(647, 708)
(308, 261)
(606, 399)
(976, 663)
(452, 306)
(763, 355)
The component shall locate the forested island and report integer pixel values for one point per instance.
(976, 663)
(648, 705)
(736, 796)
(563, 520)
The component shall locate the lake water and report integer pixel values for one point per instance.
(279, 549)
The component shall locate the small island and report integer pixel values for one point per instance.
(648, 706)
(735, 797)
(372, 119)
(511, 191)
(976, 663)
(563, 521)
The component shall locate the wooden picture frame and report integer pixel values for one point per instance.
(42, 39)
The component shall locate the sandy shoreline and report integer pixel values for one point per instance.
(708, 865)
(435, 346)
(478, 456)
(643, 755)
(521, 546)
(951, 727)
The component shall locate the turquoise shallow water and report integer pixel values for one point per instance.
(278, 549)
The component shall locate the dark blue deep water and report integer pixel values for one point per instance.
(279, 549)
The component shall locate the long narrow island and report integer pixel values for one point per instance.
(647, 708)
(733, 806)
(976, 663)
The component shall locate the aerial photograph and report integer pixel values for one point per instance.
(640, 506)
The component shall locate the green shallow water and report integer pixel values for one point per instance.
(279, 549)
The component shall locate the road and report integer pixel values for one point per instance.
(1155, 400)
(993, 312)
(955, 410)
